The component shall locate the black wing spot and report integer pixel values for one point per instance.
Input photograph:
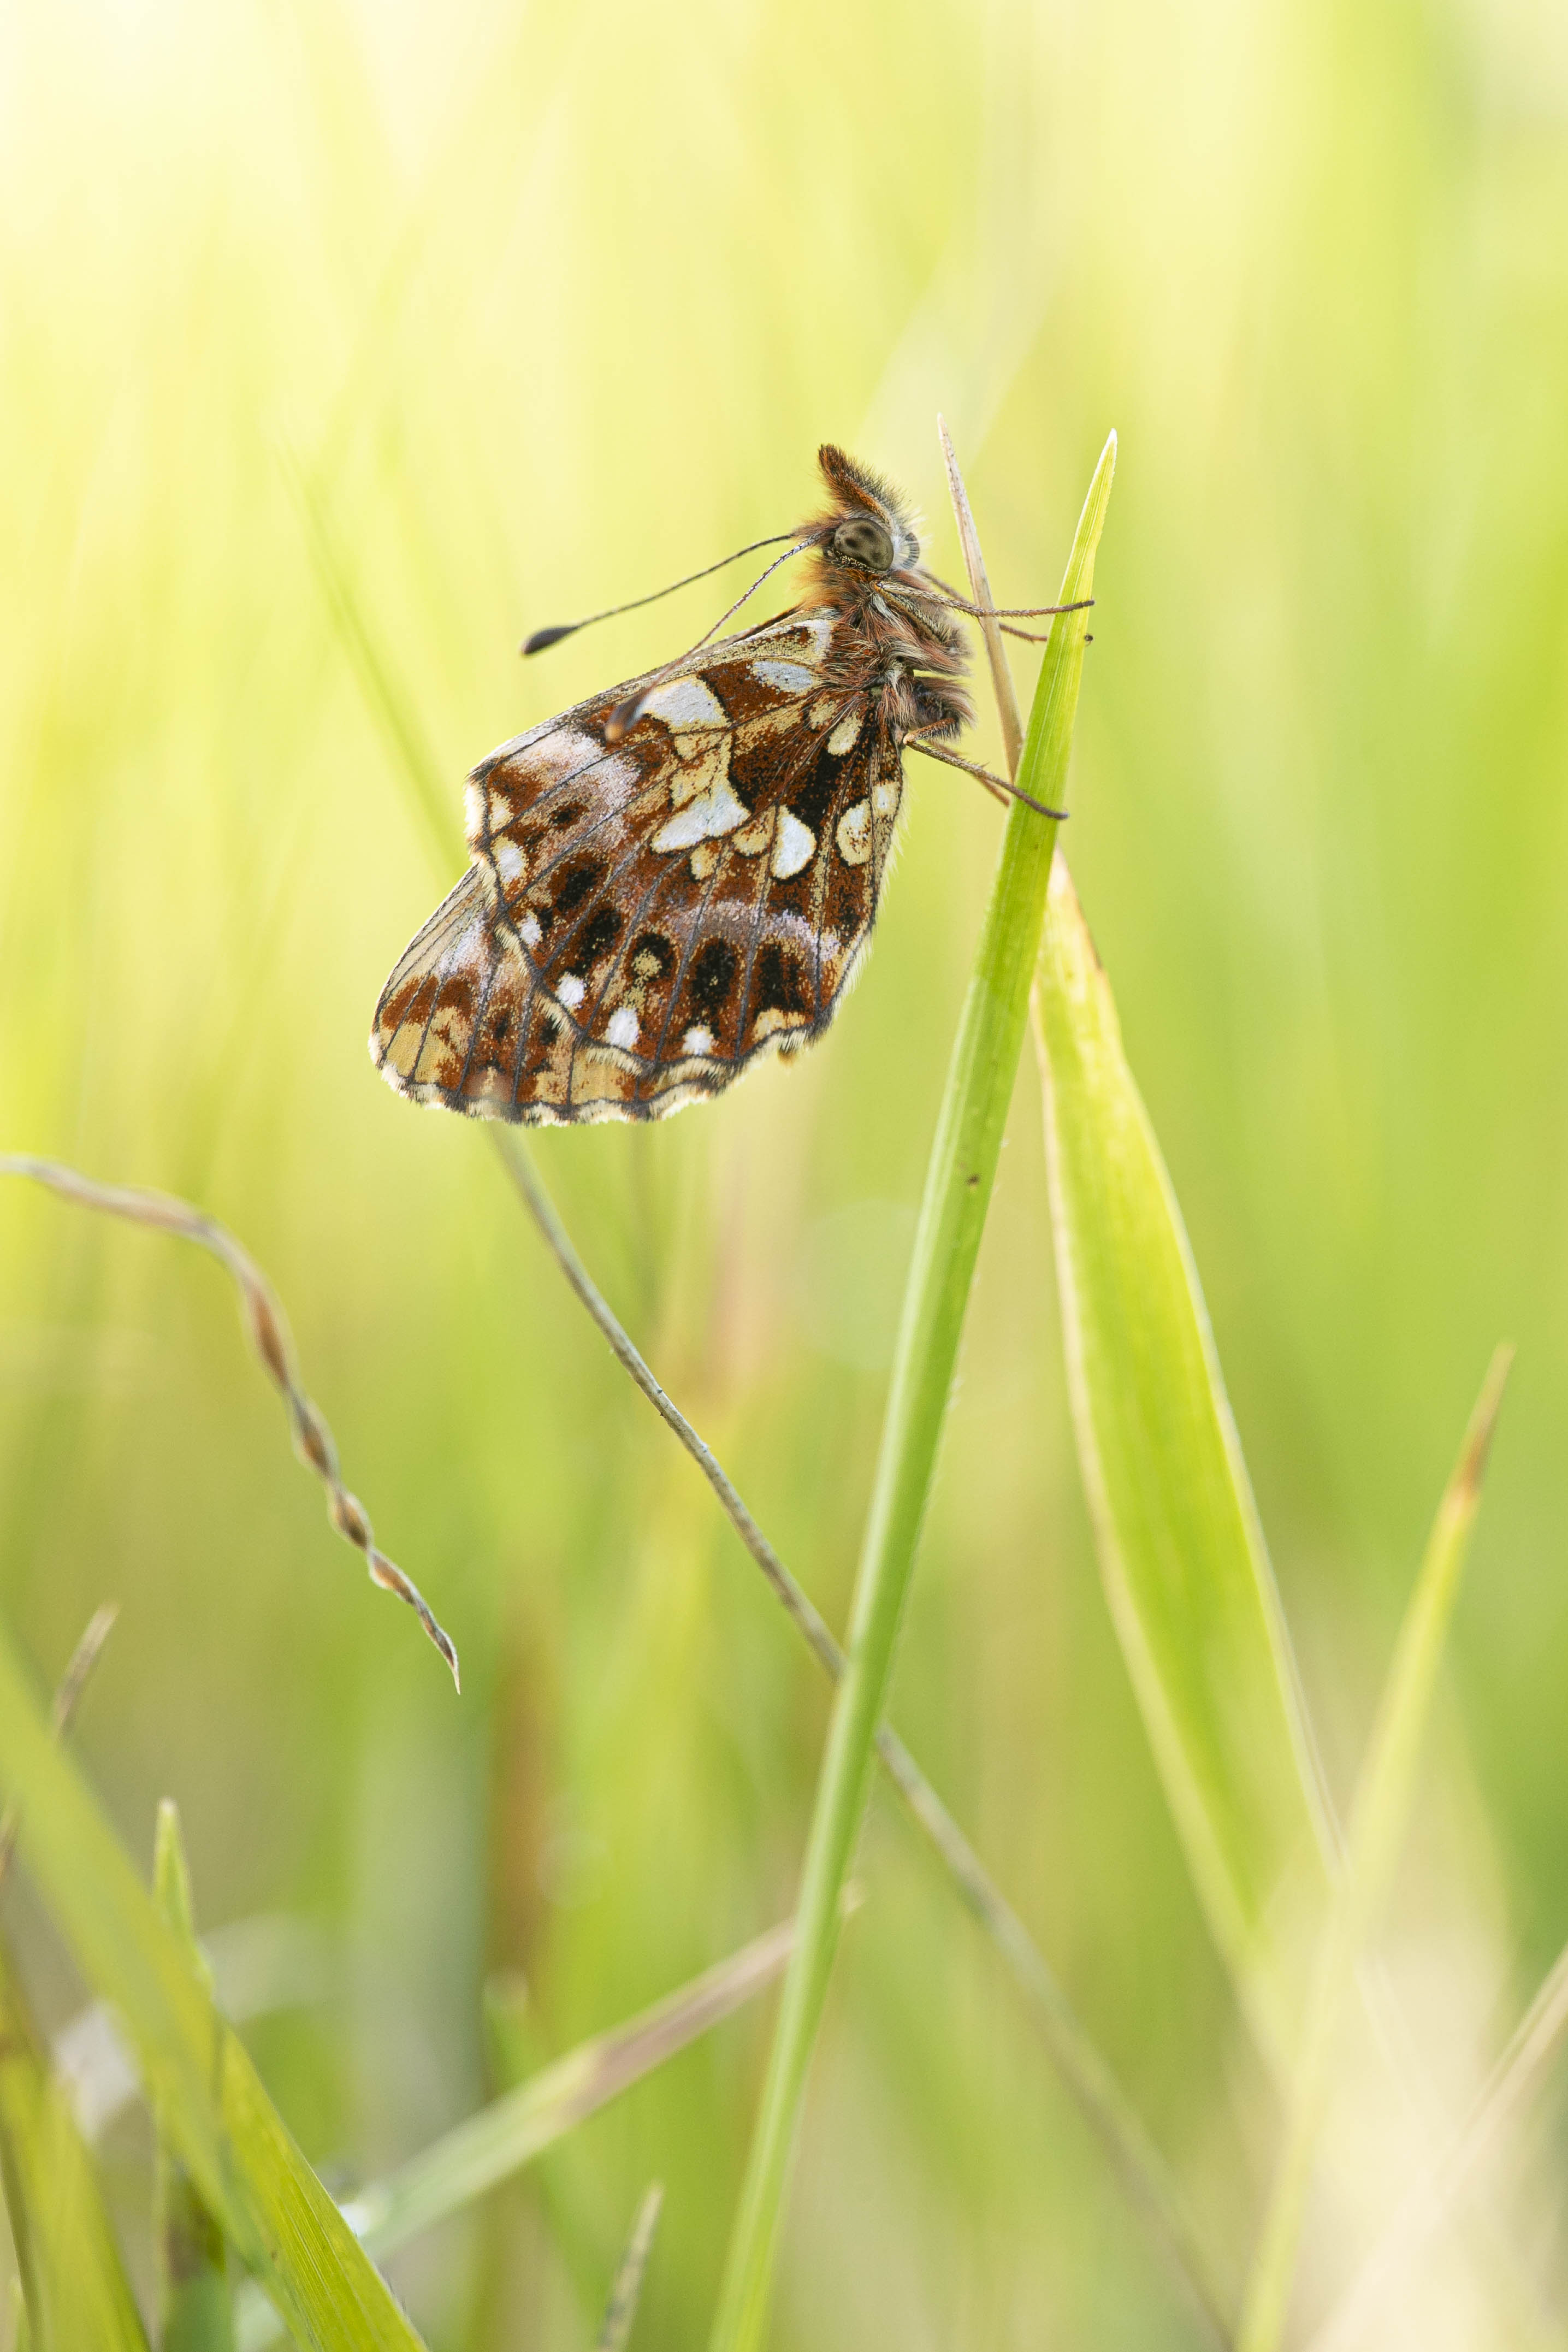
(715, 968)
(780, 984)
(563, 819)
(573, 887)
(598, 935)
(652, 957)
(815, 797)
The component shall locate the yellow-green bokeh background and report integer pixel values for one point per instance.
(547, 305)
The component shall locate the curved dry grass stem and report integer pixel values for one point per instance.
(267, 1327)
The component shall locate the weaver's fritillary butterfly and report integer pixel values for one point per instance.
(680, 876)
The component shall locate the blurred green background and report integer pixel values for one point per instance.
(538, 307)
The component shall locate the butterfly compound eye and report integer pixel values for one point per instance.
(862, 541)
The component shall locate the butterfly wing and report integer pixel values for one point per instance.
(670, 881)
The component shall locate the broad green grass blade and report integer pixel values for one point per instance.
(1377, 1822)
(248, 2170)
(486, 2149)
(948, 1238)
(195, 2306)
(74, 2284)
(1181, 1551)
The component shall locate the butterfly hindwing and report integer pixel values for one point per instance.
(646, 916)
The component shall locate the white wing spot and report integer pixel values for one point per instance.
(884, 796)
(855, 834)
(684, 702)
(468, 952)
(698, 1040)
(789, 677)
(613, 777)
(558, 753)
(570, 991)
(795, 845)
(509, 861)
(621, 1029)
(528, 931)
(847, 732)
(713, 812)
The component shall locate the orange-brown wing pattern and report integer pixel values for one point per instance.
(647, 915)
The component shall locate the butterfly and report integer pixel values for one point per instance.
(679, 877)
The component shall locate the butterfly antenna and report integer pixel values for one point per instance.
(625, 714)
(552, 636)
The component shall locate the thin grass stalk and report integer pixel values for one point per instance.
(67, 1699)
(1378, 1816)
(1133, 2156)
(959, 1178)
(626, 2294)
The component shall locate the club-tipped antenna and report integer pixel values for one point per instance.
(552, 636)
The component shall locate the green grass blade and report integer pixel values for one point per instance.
(486, 2149)
(74, 2286)
(195, 2306)
(948, 1239)
(249, 2172)
(1377, 1828)
(1181, 1552)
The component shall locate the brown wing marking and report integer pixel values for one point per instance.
(811, 932)
(769, 1012)
(422, 1014)
(564, 893)
(558, 982)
